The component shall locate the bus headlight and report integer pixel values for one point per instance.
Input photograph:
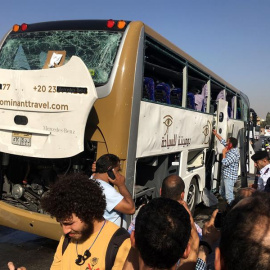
(17, 191)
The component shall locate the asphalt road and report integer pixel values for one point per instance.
(25, 249)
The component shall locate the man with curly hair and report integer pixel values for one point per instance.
(78, 205)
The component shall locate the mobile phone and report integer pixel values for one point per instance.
(111, 174)
(219, 220)
(229, 147)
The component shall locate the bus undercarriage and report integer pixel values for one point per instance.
(24, 180)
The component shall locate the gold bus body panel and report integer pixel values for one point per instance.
(29, 221)
(114, 111)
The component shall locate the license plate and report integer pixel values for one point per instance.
(23, 139)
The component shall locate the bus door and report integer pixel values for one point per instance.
(222, 123)
(221, 128)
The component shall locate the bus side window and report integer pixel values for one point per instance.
(238, 109)
(238, 113)
(230, 98)
(217, 93)
(197, 89)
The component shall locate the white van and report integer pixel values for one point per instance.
(267, 131)
(257, 133)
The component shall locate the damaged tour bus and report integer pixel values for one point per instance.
(71, 91)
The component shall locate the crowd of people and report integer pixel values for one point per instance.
(163, 235)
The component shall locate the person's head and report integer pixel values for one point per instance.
(232, 142)
(173, 187)
(107, 162)
(194, 90)
(162, 233)
(241, 194)
(77, 203)
(261, 159)
(245, 235)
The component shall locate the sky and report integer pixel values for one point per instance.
(231, 38)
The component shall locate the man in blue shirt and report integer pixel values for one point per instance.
(117, 203)
(229, 169)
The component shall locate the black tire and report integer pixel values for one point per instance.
(193, 191)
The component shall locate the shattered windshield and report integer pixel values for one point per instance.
(28, 51)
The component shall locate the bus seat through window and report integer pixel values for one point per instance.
(191, 101)
(162, 93)
(148, 88)
(238, 113)
(230, 112)
(176, 96)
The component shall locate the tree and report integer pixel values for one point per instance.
(263, 124)
(267, 120)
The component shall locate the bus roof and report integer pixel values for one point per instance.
(73, 25)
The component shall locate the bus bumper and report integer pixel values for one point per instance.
(28, 221)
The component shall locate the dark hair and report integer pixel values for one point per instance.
(172, 187)
(233, 141)
(243, 244)
(106, 162)
(162, 232)
(75, 193)
(239, 195)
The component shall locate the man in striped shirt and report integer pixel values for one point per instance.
(229, 169)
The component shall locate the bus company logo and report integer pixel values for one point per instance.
(167, 121)
(206, 132)
(174, 139)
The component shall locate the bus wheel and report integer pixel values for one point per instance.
(192, 195)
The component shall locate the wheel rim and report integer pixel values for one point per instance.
(191, 196)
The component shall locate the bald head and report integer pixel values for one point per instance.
(173, 187)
